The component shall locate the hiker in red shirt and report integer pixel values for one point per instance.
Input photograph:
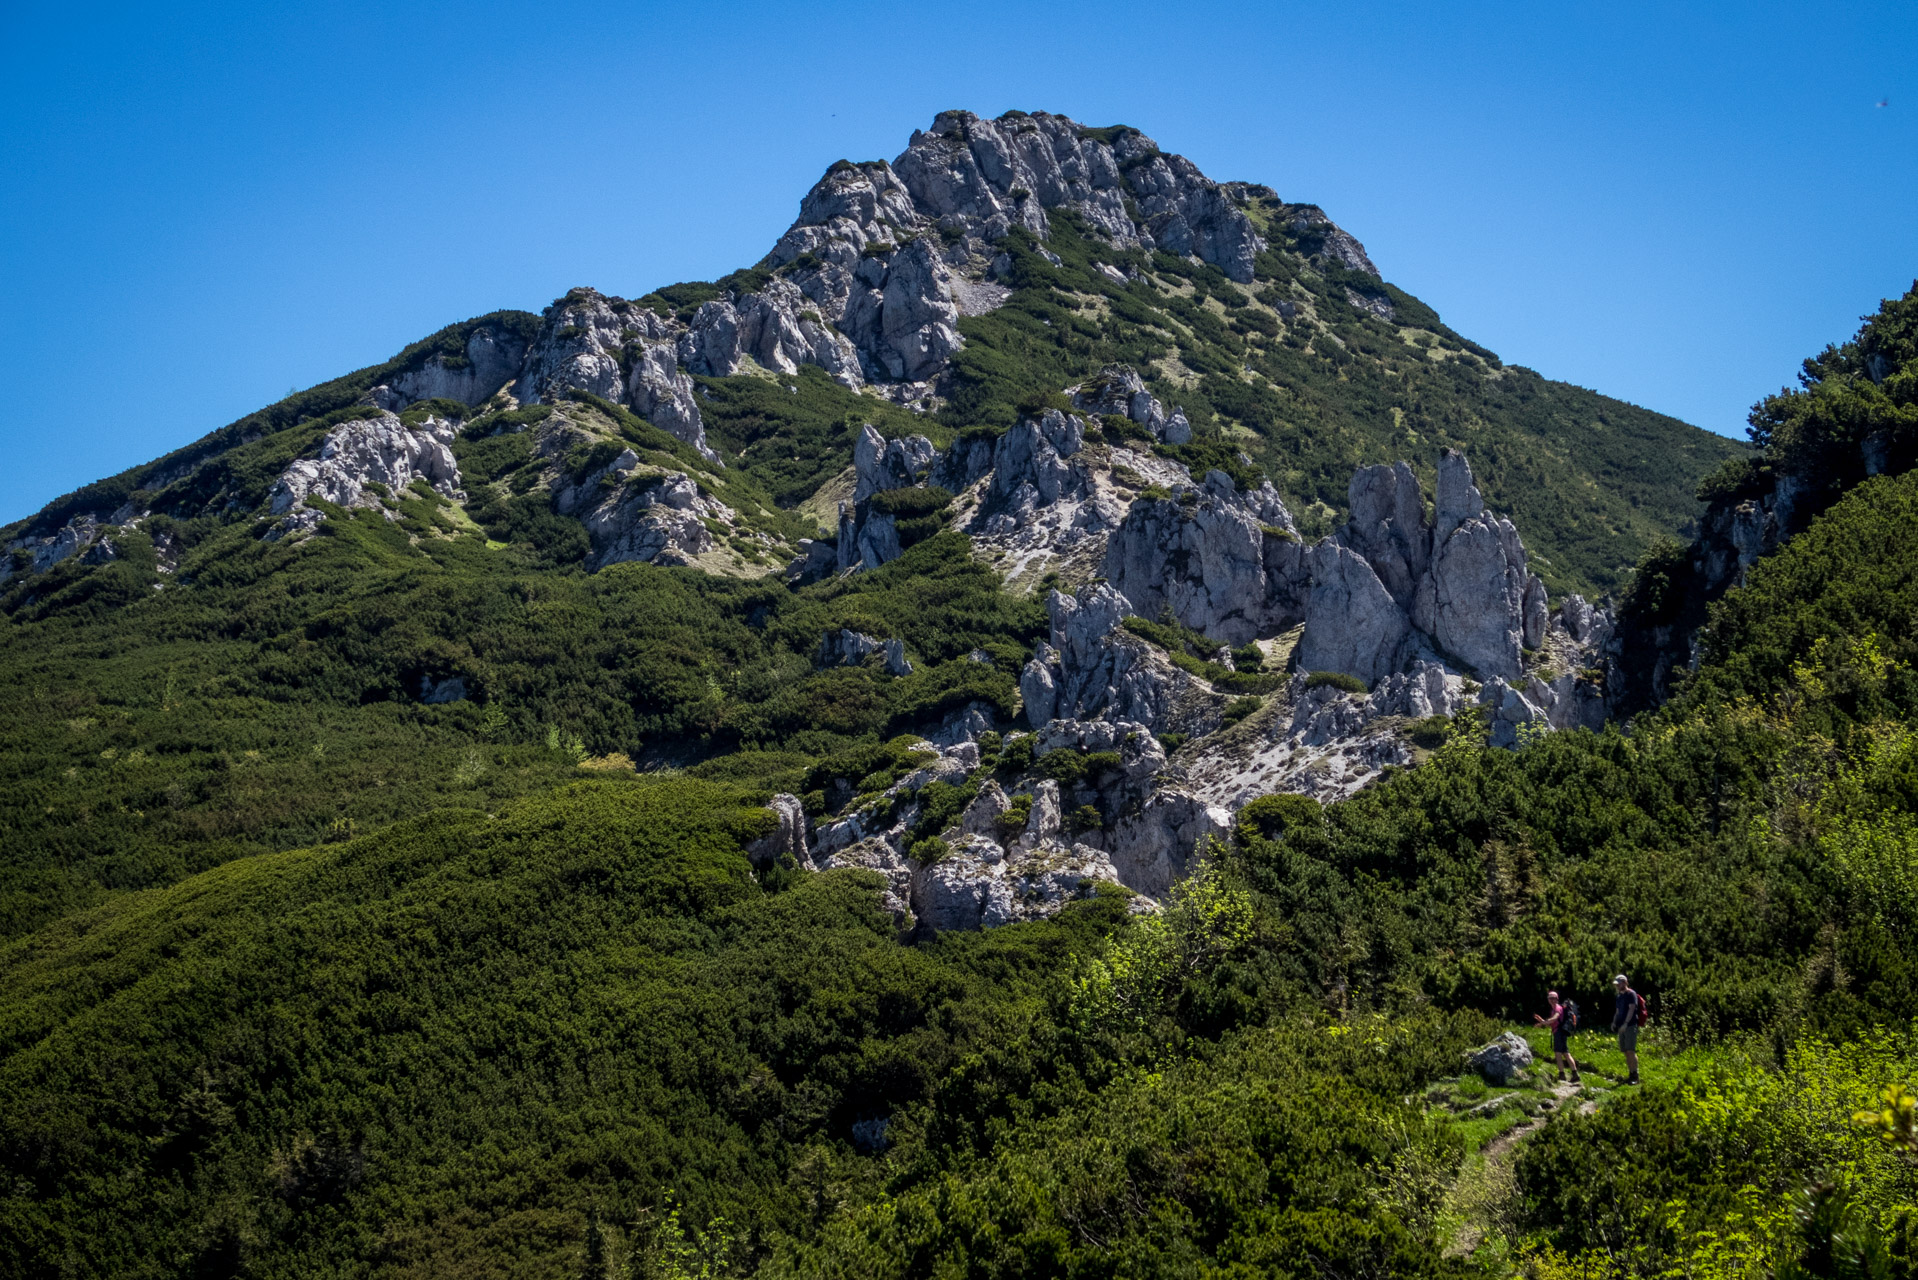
(1563, 1020)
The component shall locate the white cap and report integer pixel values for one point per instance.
(1621, 978)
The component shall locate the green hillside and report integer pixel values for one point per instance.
(562, 1030)
(259, 696)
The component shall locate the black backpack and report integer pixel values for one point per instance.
(1569, 1020)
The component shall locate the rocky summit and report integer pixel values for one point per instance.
(897, 372)
(1058, 723)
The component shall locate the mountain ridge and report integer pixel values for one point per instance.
(917, 252)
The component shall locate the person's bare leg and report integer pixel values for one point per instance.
(1631, 1063)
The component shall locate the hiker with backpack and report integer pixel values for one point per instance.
(1563, 1020)
(1629, 1013)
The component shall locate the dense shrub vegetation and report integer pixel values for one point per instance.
(304, 975)
(468, 1042)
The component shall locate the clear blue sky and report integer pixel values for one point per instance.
(203, 206)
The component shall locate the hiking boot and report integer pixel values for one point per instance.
(1632, 1080)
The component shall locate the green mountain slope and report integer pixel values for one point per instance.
(579, 1028)
(305, 972)
(205, 693)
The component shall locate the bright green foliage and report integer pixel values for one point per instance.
(1275, 1149)
(1205, 920)
(463, 1036)
(1855, 417)
(1706, 1178)
(1239, 708)
(1847, 394)
(795, 432)
(275, 702)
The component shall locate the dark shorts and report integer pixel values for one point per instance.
(1561, 1041)
(1628, 1037)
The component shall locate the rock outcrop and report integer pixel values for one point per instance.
(1031, 497)
(356, 456)
(1094, 669)
(1119, 391)
(1473, 601)
(1154, 847)
(881, 464)
(1222, 562)
(659, 518)
(491, 359)
(884, 258)
(844, 648)
(777, 328)
(1428, 615)
(1390, 586)
(983, 177)
(1352, 624)
(788, 838)
(980, 883)
(987, 869)
(617, 351)
(41, 553)
(1501, 1061)
(629, 509)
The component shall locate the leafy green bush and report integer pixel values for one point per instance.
(910, 502)
(1335, 679)
(1017, 813)
(1271, 817)
(1239, 708)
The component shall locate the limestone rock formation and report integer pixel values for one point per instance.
(980, 883)
(1154, 847)
(1390, 584)
(883, 464)
(1120, 391)
(491, 360)
(1203, 554)
(618, 351)
(660, 518)
(1031, 469)
(844, 648)
(1388, 528)
(777, 328)
(1327, 241)
(787, 839)
(76, 537)
(377, 450)
(1094, 669)
(1352, 624)
(888, 256)
(1228, 564)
